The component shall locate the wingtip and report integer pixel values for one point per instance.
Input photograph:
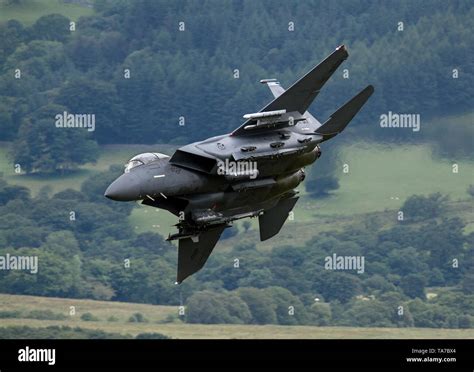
(264, 81)
(342, 49)
(370, 88)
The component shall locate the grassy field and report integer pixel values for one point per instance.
(28, 11)
(382, 177)
(156, 315)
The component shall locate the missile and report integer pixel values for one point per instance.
(264, 114)
(264, 81)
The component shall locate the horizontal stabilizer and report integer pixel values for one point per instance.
(339, 120)
(272, 220)
(193, 252)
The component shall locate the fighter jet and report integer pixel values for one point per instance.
(250, 172)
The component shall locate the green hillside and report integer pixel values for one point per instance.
(383, 176)
(152, 75)
(380, 178)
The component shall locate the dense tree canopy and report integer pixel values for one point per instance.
(139, 69)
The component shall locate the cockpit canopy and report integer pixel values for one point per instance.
(142, 159)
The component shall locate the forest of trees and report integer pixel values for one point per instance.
(193, 73)
(96, 254)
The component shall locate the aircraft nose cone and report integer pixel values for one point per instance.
(124, 188)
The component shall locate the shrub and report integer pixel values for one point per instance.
(45, 315)
(137, 318)
(151, 336)
(89, 317)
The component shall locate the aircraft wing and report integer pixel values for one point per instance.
(301, 94)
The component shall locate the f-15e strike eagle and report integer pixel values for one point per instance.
(251, 172)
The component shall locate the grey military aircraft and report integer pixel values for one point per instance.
(251, 172)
